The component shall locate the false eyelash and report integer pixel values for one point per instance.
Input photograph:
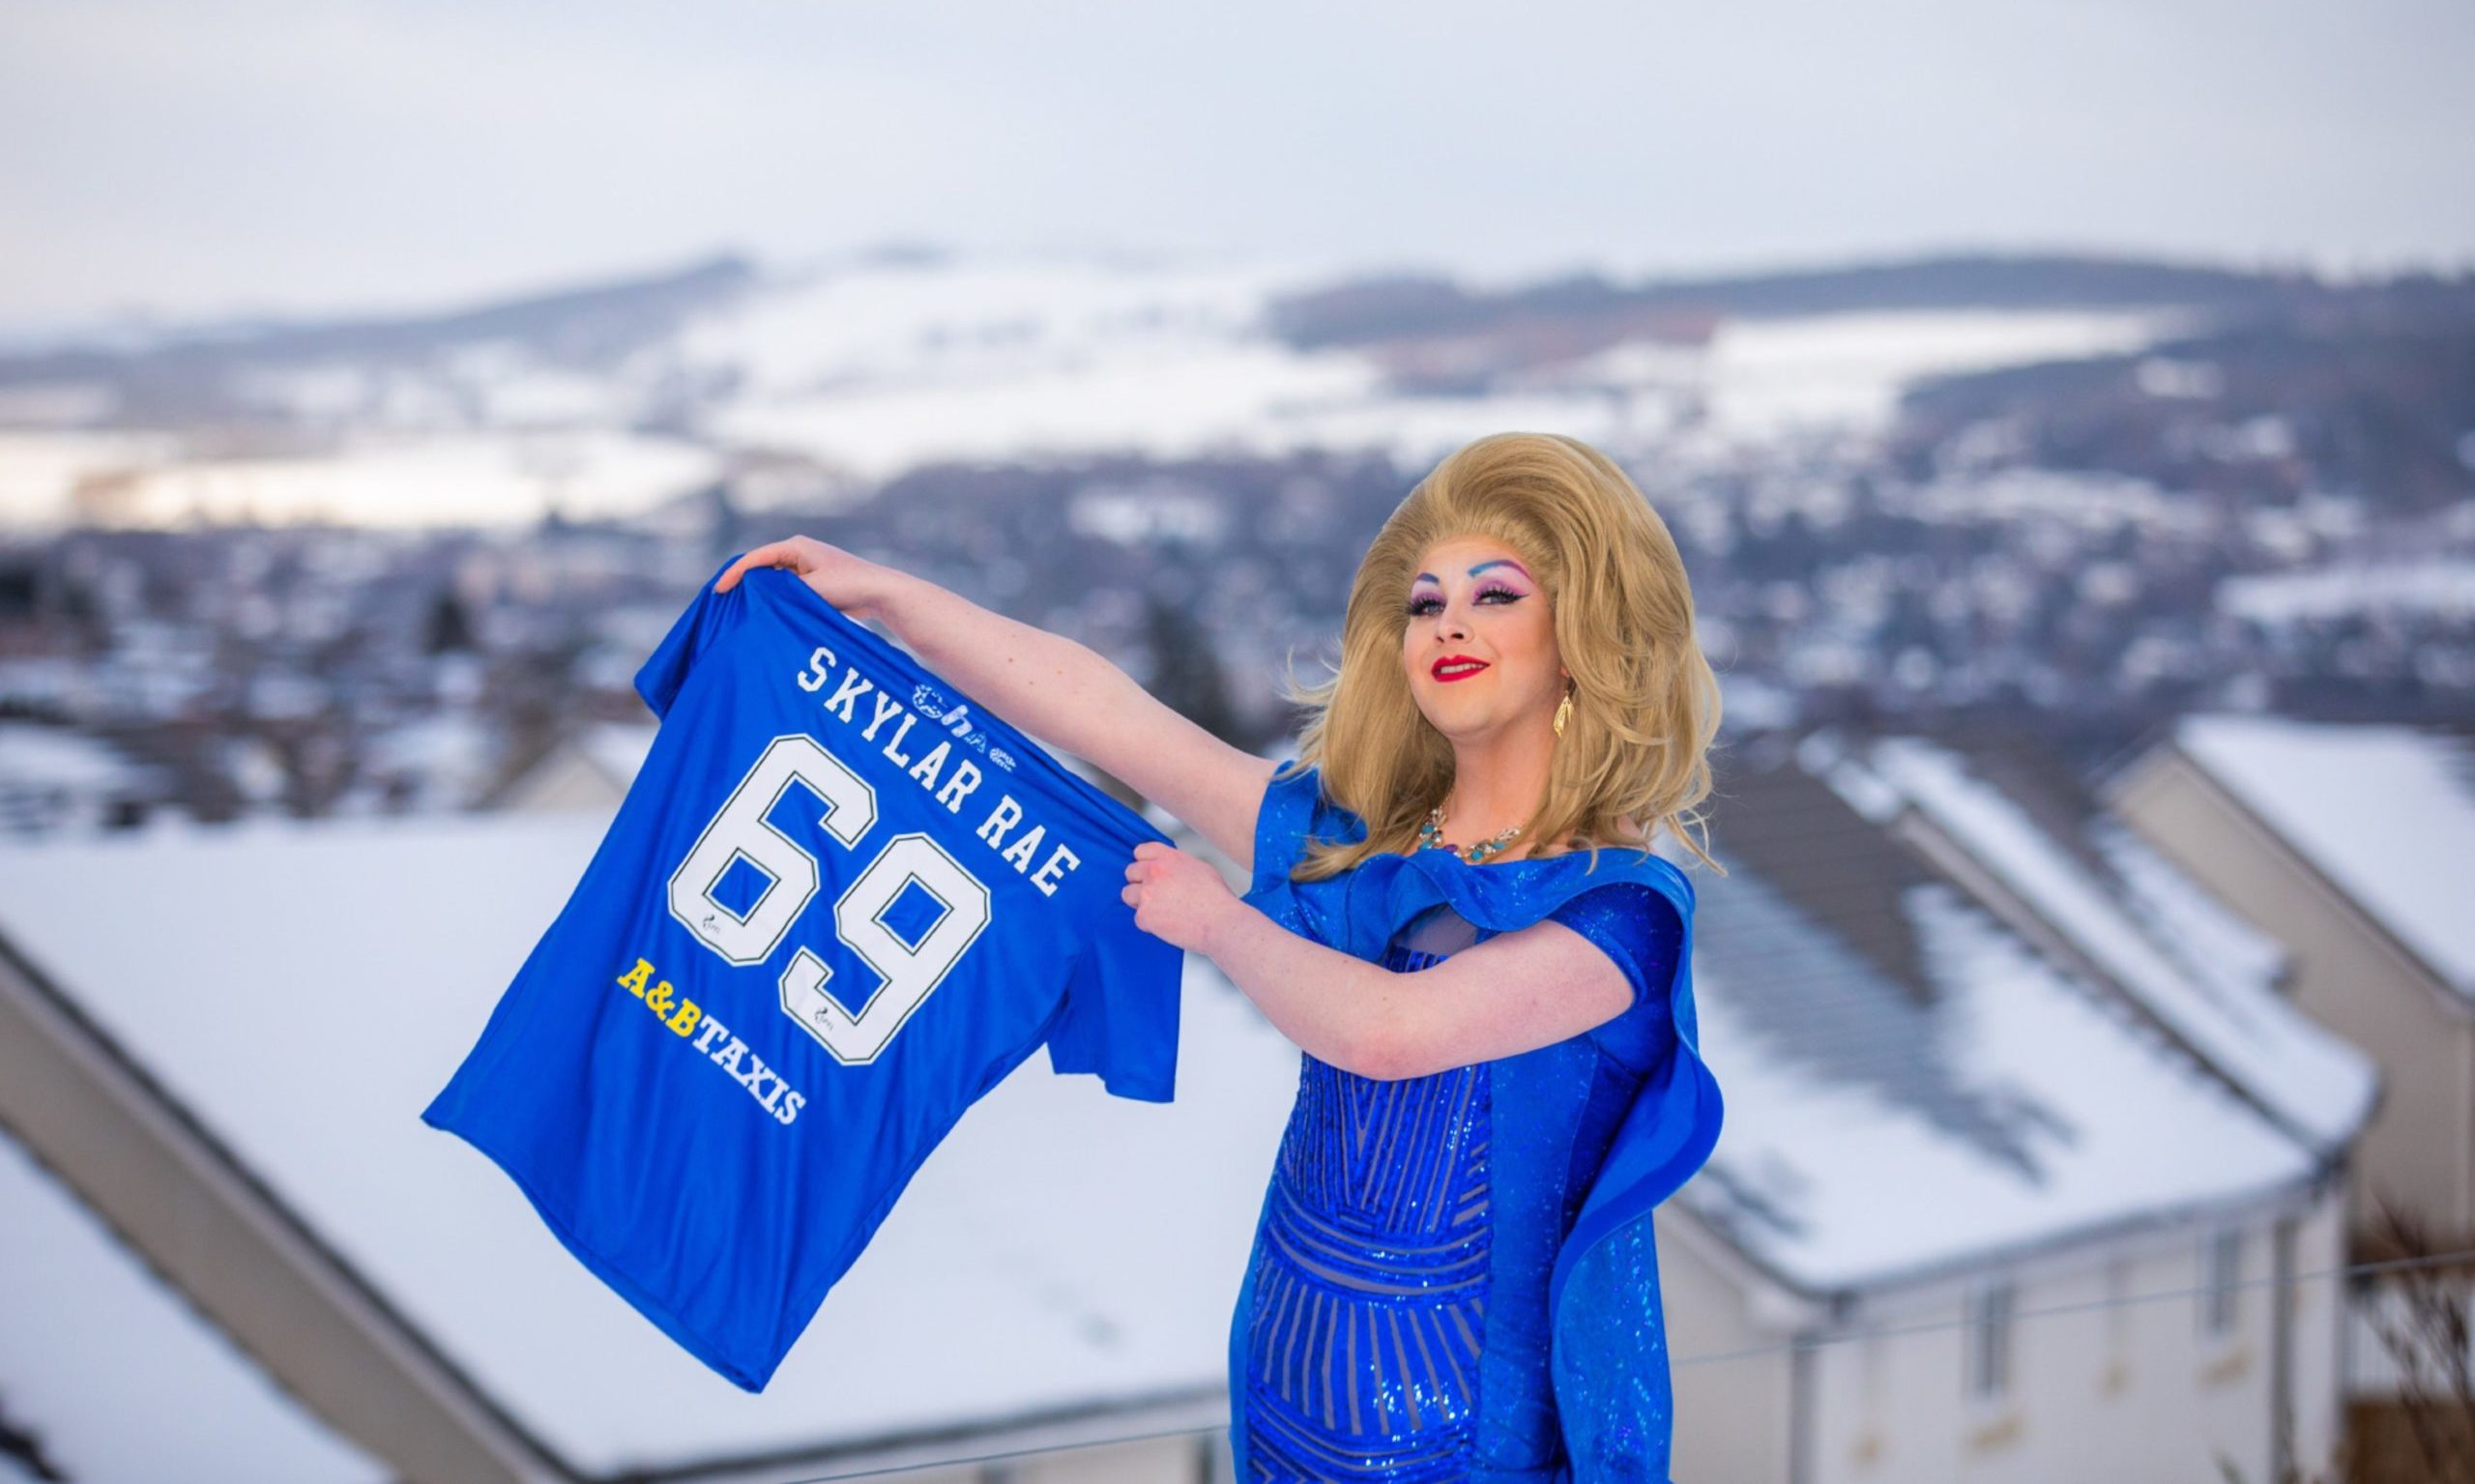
(1413, 609)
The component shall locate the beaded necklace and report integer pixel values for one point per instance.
(1431, 837)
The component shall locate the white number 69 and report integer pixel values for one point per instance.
(907, 974)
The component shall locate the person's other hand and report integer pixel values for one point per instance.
(1175, 895)
(853, 583)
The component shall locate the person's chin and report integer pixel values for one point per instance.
(1464, 720)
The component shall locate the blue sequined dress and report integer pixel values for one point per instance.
(1454, 1276)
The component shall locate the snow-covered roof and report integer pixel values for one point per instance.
(2386, 813)
(114, 1376)
(2207, 975)
(1910, 1086)
(329, 976)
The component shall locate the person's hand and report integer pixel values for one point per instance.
(1176, 895)
(852, 583)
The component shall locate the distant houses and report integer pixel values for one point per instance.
(54, 780)
(2027, 1166)
(2357, 843)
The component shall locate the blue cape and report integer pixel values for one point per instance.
(1609, 1345)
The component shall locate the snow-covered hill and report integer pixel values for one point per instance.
(595, 405)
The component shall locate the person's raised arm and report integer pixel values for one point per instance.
(1060, 692)
(1513, 993)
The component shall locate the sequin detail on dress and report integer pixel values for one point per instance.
(1367, 1346)
(1370, 1276)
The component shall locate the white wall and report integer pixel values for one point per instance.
(2319, 1320)
(2110, 1376)
(1731, 1414)
(2347, 976)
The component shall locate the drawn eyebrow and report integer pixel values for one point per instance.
(1482, 567)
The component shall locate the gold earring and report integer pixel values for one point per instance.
(1563, 710)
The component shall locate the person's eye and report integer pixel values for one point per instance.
(1426, 602)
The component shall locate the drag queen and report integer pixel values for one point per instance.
(1453, 913)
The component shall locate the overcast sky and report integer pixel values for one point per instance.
(197, 159)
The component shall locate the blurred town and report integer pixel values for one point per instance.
(2093, 986)
(325, 569)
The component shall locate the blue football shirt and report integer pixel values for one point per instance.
(839, 903)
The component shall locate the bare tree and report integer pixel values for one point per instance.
(2413, 1292)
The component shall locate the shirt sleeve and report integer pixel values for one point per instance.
(1641, 929)
(706, 622)
(1120, 1014)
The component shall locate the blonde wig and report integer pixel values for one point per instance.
(1645, 702)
